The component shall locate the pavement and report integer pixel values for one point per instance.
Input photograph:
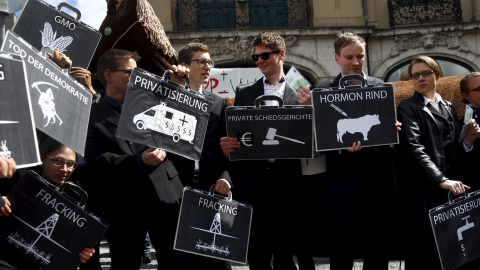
(320, 263)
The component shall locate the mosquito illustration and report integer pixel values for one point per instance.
(48, 39)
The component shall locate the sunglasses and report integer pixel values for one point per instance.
(202, 62)
(264, 55)
(59, 162)
(128, 71)
(425, 74)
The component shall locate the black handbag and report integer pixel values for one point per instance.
(456, 227)
(44, 26)
(161, 113)
(214, 226)
(347, 114)
(47, 226)
(271, 132)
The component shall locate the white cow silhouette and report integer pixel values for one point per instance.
(362, 125)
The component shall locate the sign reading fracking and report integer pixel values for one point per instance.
(160, 113)
(45, 27)
(456, 227)
(17, 130)
(344, 116)
(61, 106)
(213, 226)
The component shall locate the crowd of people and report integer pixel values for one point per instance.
(138, 189)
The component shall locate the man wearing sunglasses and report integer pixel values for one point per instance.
(263, 183)
(142, 186)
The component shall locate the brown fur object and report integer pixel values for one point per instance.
(135, 27)
(447, 87)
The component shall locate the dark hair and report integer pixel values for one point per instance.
(49, 145)
(186, 53)
(464, 84)
(428, 61)
(270, 40)
(345, 39)
(109, 60)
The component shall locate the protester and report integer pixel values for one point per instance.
(58, 163)
(269, 185)
(131, 172)
(431, 147)
(359, 183)
(194, 60)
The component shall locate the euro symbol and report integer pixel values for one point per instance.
(246, 139)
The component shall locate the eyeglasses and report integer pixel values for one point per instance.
(425, 74)
(475, 89)
(59, 162)
(202, 62)
(264, 55)
(128, 71)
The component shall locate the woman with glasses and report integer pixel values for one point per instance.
(58, 164)
(430, 145)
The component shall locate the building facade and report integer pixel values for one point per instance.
(395, 31)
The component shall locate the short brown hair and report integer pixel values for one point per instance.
(428, 61)
(109, 60)
(186, 53)
(464, 83)
(270, 40)
(345, 39)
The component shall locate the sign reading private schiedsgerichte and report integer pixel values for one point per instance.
(46, 27)
(160, 113)
(213, 226)
(17, 130)
(347, 115)
(456, 227)
(60, 105)
(271, 132)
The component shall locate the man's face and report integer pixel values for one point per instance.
(351, 58)
(273, 65)
(473, 96)
(198, 75)
(424, 85)
(121, 76)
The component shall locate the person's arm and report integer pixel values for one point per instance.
(5, 210)
(7, 167)
(84, 77)
(86, 254)
(60, 59)
(304, 96)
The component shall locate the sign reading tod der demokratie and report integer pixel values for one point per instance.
(347, 115)
(18, 139)
(61, 106)
(160, 113)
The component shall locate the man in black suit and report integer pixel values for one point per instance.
(268, 185)
(194, 60)
(359, 181)
(143, 186)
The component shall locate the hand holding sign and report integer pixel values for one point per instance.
(153, 156)
(7, 167)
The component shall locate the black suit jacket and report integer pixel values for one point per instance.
(213, 162)
(118, 164)
(249, 175)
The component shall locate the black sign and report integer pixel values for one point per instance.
(17, 130)
(61, 106)
(456, 227)
(213, 226)
(266, 132)
(44, 26)
(347, 115)
(160, 113)
(47, 226)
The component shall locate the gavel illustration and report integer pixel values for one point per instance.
(271, 133)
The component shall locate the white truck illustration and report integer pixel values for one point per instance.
(163, 119)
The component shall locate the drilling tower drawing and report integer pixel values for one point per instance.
(215, 229)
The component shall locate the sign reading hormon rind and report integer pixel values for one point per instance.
(161, 113)
(61, 106)
(17, 131)
(347, 115)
